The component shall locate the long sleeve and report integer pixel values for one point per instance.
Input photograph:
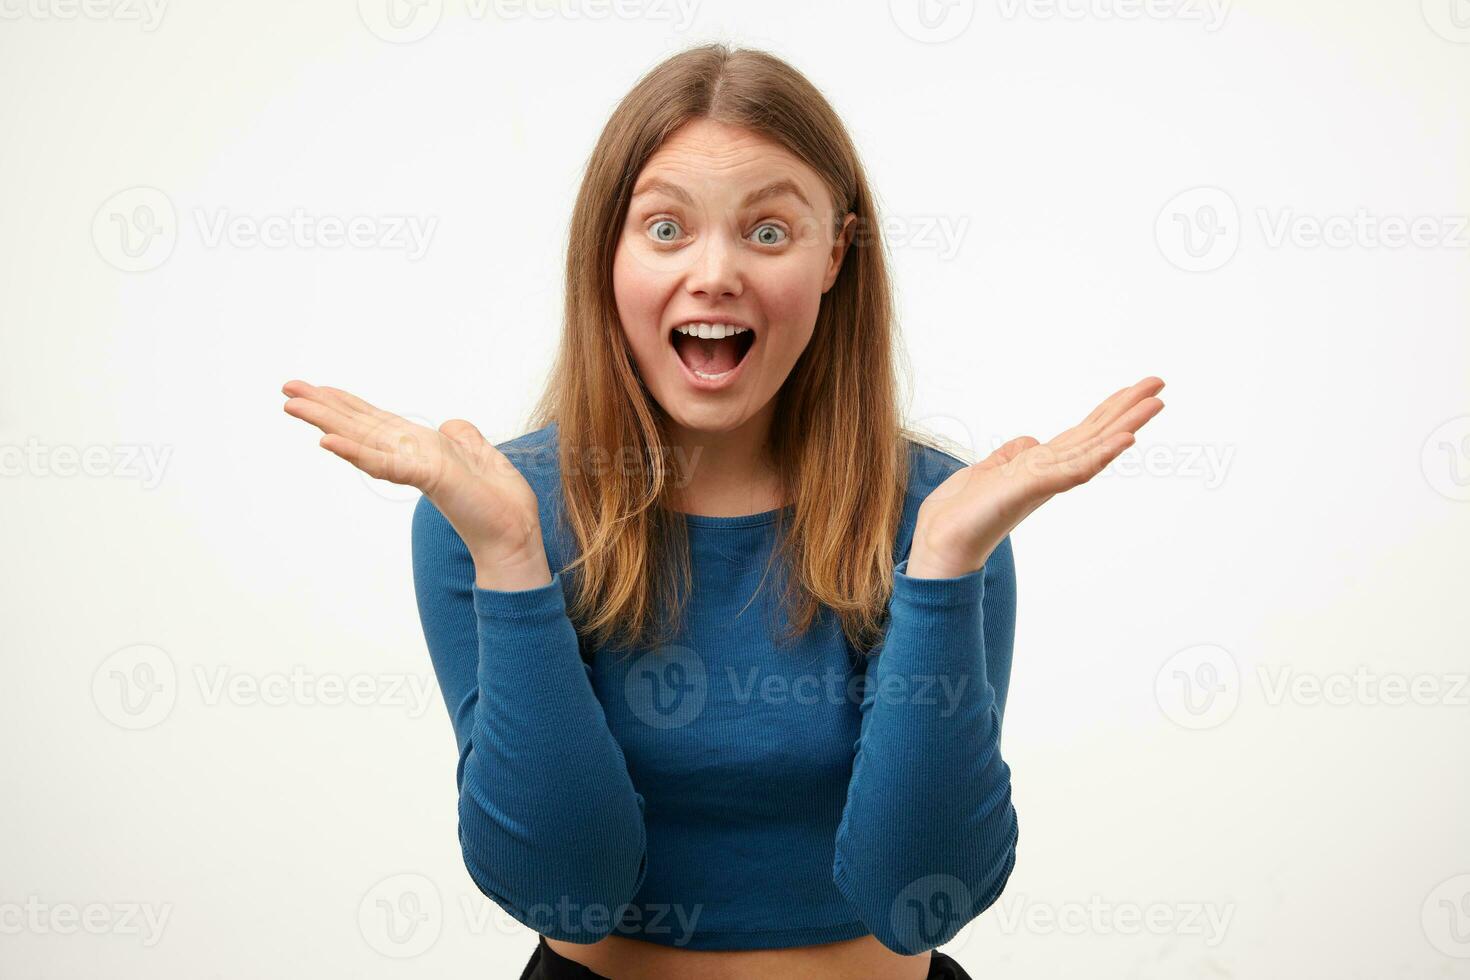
(928, 835)
(550, 825)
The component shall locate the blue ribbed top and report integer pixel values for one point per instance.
(724, 791)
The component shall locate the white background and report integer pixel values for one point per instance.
(1298, 514)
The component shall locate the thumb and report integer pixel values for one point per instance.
(464, 433)
(1009, 451)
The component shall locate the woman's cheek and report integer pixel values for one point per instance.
(793, 297)
(637, 298)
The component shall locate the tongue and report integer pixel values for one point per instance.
(708, 356)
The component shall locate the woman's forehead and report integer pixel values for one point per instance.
(704, 155)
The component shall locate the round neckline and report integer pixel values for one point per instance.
(739, 520)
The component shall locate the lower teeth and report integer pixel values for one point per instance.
(710, 377)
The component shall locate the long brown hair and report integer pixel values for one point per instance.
(837, 441)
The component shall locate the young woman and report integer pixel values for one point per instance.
(725, 645)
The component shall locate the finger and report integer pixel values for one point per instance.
(1119, 400)
(1091, 457)
(1106, 445)
(325, 417)
(1102, 417)
(351, 401)
(1084, 431)
(1105, 405)
(1126, 399)
(1109, 449)
(1081, 463)
(344, 401)
(1134, 418)
(406, 470)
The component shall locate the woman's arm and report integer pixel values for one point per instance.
(549, 823)
(928, 836)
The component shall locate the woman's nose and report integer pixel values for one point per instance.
(715, 271)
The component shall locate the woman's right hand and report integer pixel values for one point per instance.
(475, 487)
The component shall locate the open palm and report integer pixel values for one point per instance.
(967, 515)
(473, 484)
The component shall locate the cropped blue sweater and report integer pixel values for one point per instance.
(726, 792)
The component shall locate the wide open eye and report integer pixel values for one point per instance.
(664, 230)
(770, 234)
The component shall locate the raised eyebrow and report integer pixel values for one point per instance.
(657, 185)
(777, 188)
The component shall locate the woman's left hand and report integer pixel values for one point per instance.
(965, 517)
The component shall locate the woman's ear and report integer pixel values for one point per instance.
(839, 250)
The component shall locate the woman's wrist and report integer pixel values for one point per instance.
(928, 560)
(513, 571)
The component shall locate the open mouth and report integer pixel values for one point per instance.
(710, 357)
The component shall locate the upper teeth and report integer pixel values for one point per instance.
(710, 331)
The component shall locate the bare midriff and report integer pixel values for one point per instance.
(622, 958)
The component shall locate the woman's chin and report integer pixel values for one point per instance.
(708, 420)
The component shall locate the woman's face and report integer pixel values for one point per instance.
(724, 227)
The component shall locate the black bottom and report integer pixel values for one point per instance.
(547, 964)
